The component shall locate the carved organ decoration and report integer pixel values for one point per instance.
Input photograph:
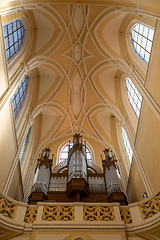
(42, 175)
(76, 178)
(110, 171)
(112, 177)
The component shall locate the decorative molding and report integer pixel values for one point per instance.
(126, 216)
(150, 208)
(99, 213)
(30, 216)
(7, 208)
(60, 213)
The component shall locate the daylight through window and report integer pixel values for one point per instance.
(19, 96)
(13, 35)
(65, 149)
(134, 96)
(142, 38)
(127, 144)
(25, 145)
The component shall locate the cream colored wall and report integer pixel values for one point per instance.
(3, 65)
(15, 189)
(135, 188)
(153, 83)
(134, 237)
(148, 134)
(148, 145)
(73, 235)
(8, 145)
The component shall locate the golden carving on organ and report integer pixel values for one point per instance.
(77, 179)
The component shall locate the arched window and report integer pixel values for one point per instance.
(65, 149)
(142, 37)
(23, 151)
(127, 144)
(13, 35)
(134, 96)
(19, 96)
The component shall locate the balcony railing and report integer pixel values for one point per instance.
(134, 217)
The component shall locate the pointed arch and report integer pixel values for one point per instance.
(13, 36)
(134, 96)
(142, 37)
(19, 96)
(127, 144)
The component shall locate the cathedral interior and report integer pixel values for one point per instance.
(80, 119)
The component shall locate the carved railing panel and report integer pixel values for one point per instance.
(30, 216)
(126, 216)
(61, 213)
(102, 213)
(7, 208)
(150, 208)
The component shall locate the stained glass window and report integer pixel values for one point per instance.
(127, 144)
(13, 35)
(25, 145)
(65, 149)
(134, 96)
(19, 96)
(142, 38)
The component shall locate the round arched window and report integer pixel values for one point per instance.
(65, 149)
(142, 38)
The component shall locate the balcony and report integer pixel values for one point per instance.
(140, 218)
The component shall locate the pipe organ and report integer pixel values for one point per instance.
(76, 178)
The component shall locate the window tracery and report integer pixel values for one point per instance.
(127, 144)
(25, 145)
(142, 38)
(14, 36)
(65, 149)
(134, 96)
(19, 96)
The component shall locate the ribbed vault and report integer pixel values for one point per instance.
(78, 55)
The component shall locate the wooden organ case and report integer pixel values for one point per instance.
(76, 179)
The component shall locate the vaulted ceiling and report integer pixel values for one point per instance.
(78, 55)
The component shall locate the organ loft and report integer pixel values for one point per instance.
(77, 179)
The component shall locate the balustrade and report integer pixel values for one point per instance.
(86, 214)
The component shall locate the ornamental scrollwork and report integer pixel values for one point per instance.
(150, 208)
(61, 213)
(126, 216)
(102, 213)
(7, 208)
(30, 216)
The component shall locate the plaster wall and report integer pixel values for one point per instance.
(15, 190)
(148, 145)
(135, 188)
(73, 235)
(153, 83)
(3, 66)
(8, 143)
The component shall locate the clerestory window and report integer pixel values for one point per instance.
(134, 96)
(127, 144)
(19, 96)
(65, 149)
(14, 36)
(24, 148)
(142, 38)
